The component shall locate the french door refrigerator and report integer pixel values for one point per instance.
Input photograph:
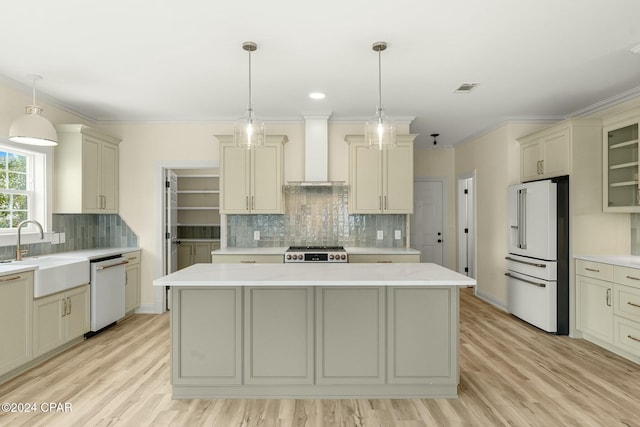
(538, 260)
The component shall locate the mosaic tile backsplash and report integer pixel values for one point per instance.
(82, 232)
(315, 216)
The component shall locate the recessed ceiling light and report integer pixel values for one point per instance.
(466, 87)
(317, 95)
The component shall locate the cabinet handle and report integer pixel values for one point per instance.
(246, 202)
(253, 202)
(541, 167)
(131, 258)
(69, 304)
(9, 279)
(592, 269)
(633, 338)
(380, 202)
(609, 297)
(633, 278)
(384, 262)
(247, 262)
(64, 307)
(633, 304)
(385, 202)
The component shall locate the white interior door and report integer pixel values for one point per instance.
(466, 226)
(427, 230)
(171, 236)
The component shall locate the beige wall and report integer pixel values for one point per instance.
(440, 163)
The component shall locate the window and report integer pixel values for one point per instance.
(24, 188)
(16, 188)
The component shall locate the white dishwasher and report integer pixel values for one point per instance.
(107, 291)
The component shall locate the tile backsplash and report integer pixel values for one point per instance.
(82, 231)
(315, 216)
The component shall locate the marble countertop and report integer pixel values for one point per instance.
(89, 254)
(400, 274)
(632, 261)
(350, 250)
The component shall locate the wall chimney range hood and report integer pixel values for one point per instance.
(316, 153)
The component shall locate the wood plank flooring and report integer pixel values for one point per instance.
(511, 374)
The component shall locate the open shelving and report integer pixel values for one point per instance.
(621, 168)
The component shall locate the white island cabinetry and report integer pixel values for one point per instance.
(314, 331)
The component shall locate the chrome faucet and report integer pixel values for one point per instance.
(20, 225)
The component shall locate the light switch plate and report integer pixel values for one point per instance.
(380, 235)
(62, 237)
(256, 235)
(398, 234)
(55, 238)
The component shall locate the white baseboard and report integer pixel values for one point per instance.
(491, 300)
(147, 309)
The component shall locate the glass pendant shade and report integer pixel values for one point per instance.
(33, 128)
(249, 132)
(380, 131)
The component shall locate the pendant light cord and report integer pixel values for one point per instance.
(379, 82)
(250, 109)
(33, 87)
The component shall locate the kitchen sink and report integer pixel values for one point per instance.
(56, 273)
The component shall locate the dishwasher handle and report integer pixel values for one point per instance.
(104, 267)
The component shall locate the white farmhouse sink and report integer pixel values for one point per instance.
(57, 273)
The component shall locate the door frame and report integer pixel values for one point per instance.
(474, 211)
(445, 218)
(163, 165)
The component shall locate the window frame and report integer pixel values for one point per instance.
(40, 207)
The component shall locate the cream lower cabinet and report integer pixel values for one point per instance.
(132, 281)
(190, 253)
(251, 180)
(60, 318)
(278, 335)
(247, 259)
(381, 181)
(86, 171)
(608, 306)
(16, 305)
(384, 258)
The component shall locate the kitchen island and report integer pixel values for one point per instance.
(314, 330)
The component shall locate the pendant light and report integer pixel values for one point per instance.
(33, 128)
(249, 132)
(380, 131)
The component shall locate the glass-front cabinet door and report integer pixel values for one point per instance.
(620, 172)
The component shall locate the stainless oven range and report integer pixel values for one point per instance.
(316, 254)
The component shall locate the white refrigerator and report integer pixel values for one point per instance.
(537, 264)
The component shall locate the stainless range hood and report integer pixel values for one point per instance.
(316, 153)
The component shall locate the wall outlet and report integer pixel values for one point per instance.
(55, 238)
(256, 235)
(62, 237)
(398, 234)
(380, 235)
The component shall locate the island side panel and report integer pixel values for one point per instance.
(278, 337)
(206, 333)
(350, 335)
(422, 332)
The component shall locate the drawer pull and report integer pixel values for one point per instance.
(10, 279)
(633, 278)
(384, 262)
(247, 262)
(631, 337)
(633, 304)
(609, 297)
(592, 269)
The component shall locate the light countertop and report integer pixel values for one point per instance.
(350, 250)
(632, 261)
(330, 274)
(89, 254)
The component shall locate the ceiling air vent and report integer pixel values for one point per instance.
(466, 87)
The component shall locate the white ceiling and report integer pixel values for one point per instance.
(170, 60)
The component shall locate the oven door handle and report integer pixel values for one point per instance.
(104, 267)
(540, 285)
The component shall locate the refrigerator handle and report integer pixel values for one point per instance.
(523, 219)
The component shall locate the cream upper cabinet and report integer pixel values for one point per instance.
(251, 180)
(545, 154)
(16, 305)
(86, 171)
(620, 166)
(381, 181)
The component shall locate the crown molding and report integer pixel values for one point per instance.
(606, 103)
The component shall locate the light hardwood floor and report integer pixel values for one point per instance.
(511, 374)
